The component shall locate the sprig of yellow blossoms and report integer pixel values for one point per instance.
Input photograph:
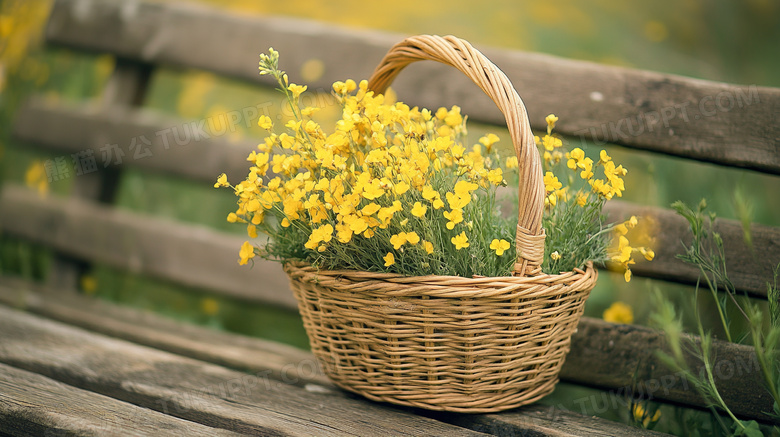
(394, 188)
(573, 219)
(391, 187)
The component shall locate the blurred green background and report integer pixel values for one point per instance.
(719, 40)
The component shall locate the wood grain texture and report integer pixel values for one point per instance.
(250, 354)
(194, 390)
(280, 362)
(622, 359)
(175, 147)
(534, 420)
(34, 405)
(708, 121)
(749, 268)
(190, 255)
(617, 358)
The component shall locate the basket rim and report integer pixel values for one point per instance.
(457, 287)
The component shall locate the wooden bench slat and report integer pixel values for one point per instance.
(31, 404)
(201, 257)
(278, 361)
(194, 390)
(73, 128)
(191, 255)
(708, 121)
(623, 356)
(595, 343)
(750, 269)
(226, 349)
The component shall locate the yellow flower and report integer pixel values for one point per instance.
(496, 176)
(460, 241)
(398, 240)
(647, 253)
(88, 284)
(488, 141)
(575, 156)
(555, 256)
(389, 259)
(428, 246)
(643, 417)
(401, 187)
(323, 234)
(455, 216)
(246, 253)
(373, 190)
(419, 210)
(370, 209)
(309, 111)
(550, 143)
(511, 162)
(296, 90)
(550, 119)
(582, 199)
(265, 122)
(232, 217)
(551, 183)
(209, 306)
(500, 246)
(604, 158)
(619, 312)
(458, 202)
(412, 238)
(222, 181)
(252, 231)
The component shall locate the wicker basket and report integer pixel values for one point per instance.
(441, 342)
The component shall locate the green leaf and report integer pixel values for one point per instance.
(751, 429)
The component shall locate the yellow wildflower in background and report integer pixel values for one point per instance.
(643, 417)
(619, 312)
(209, 306)
(35, 177)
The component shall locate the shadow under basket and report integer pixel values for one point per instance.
(450, 343)
(471, 345)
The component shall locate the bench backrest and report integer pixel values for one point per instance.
(672, 115)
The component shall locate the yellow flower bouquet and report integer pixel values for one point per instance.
(412, 286)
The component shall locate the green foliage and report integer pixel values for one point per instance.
(707, 253)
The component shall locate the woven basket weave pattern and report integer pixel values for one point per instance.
(448, 343)
(442, 342)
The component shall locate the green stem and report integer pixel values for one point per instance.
(711, 380)
(714, 292)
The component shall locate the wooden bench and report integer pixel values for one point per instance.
(73, 364)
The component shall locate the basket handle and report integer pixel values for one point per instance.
(461, 55)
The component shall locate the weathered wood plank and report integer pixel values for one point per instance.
(34, 405)
(146, 139)
(187, 254)
(749, 268)
(194, 390)
(541, 420)
(277, 361)
(622, 358)
(204, 258)
(697, 119)
(596, 342)
(125, 87)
